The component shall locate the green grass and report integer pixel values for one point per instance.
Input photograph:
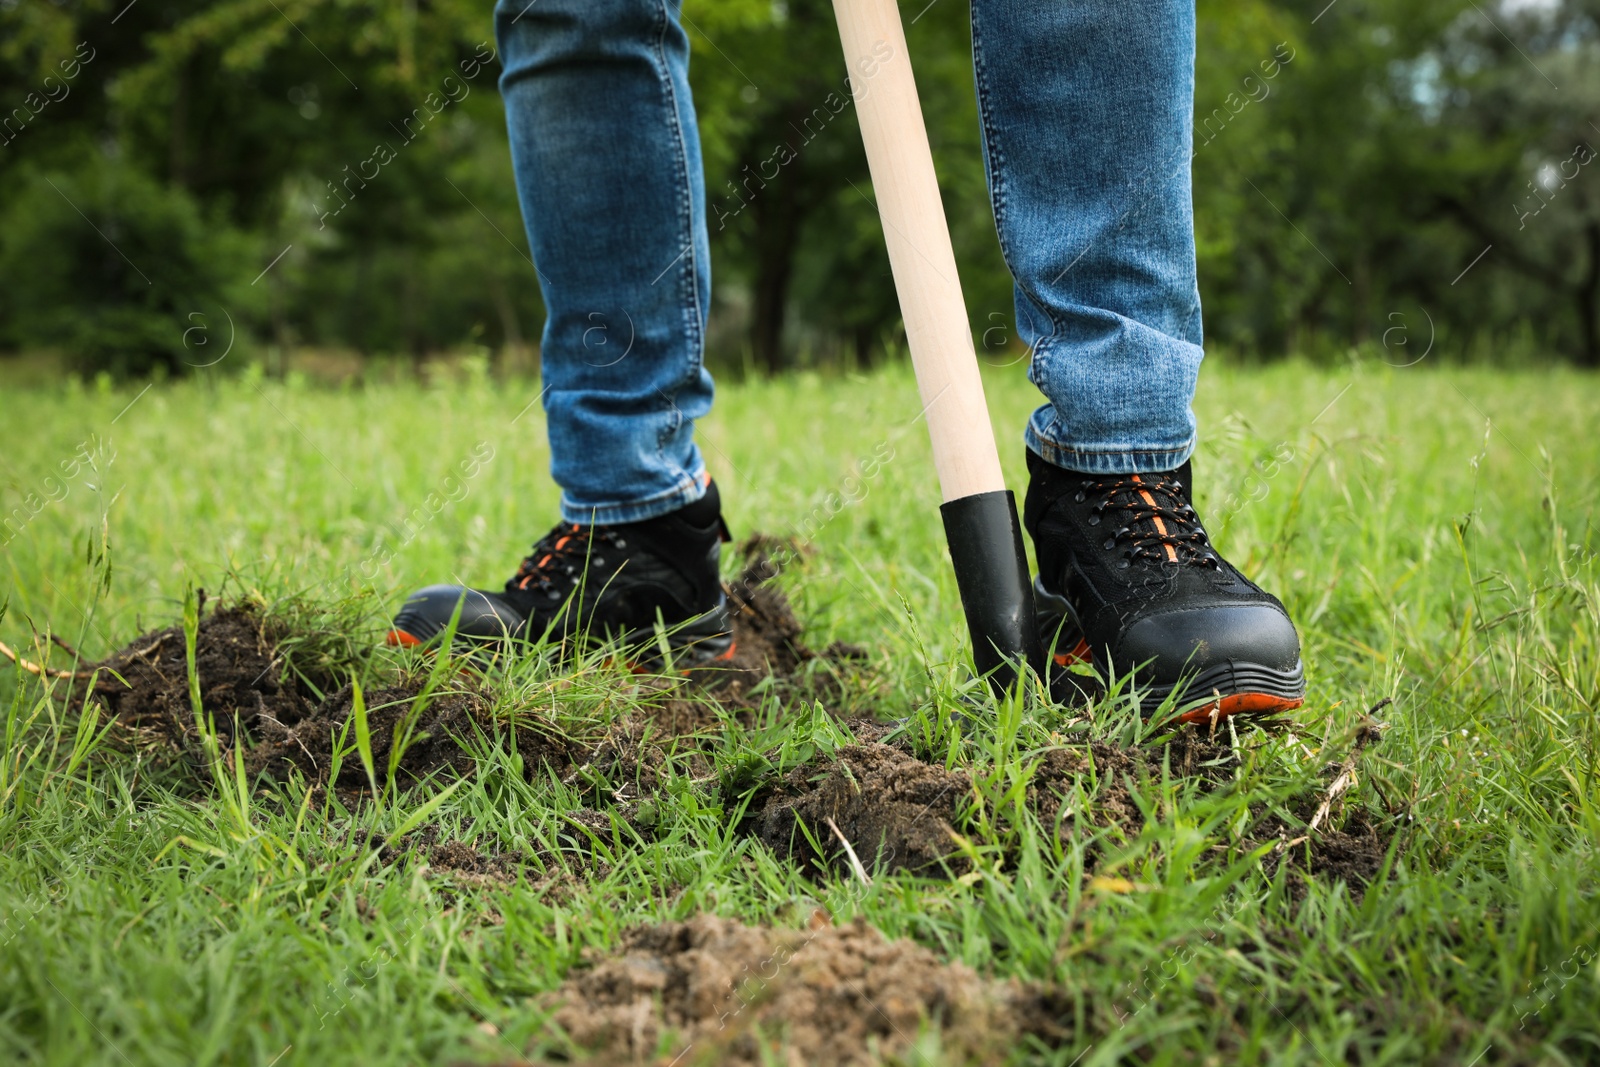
(1429, 529)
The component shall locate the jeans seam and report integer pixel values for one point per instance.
(688, 289)
(1094, 461)
(1068, 450)
(681, 493)
(997, 187)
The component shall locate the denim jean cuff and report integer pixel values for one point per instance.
(1132, 460)
(691, 488)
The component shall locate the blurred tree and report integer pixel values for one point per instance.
(1387, 159)
(120, 269)
(1353, 162)
(1516, 101)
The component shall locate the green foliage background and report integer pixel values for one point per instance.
(1338, 200)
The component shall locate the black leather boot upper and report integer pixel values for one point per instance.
(614, 580)
(1150, 593)
(623, 577)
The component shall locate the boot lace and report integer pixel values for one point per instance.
(1158, 524)
(558, 558)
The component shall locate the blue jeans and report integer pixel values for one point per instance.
(1087, 122)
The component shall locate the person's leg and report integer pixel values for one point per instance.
(607, 161)
(1087, 111)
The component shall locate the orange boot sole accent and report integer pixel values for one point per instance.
(399, 638)
(721, 657)
(1242, 704)
(1079, 654)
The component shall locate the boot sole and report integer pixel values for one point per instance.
(704, 640)
(1233, 688)
(1221, 691)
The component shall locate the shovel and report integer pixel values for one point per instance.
(980, 513)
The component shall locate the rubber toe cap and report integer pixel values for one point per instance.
(1178, 643)
(425, 614)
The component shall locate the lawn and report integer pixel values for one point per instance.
(1072, 886)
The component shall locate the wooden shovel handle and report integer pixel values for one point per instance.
(918, 236)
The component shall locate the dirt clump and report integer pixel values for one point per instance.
(246, 688)
(632, 762)
(242, 682)
(432, 737)
(463, 861)
(713, 990)
(436, 738)
(678, 716)
(1330, 837)
(868, 730)
(1187, 754)
(1111, 804)
(1353, 852)
(768, 639)
(894, 810)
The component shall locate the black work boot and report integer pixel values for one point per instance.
(1129, 582)
(599, 582)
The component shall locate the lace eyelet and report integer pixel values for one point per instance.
(1079, 498)
(1111, 542)
(1094, 520)
(597, 563)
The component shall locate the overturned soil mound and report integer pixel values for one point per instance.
(897, 812)
(713, 990)
(1105, 773)
(430, 737)
(146, 685)
(890, 810)
(245, 686)
(1352, 853)
(464, 861)
(768, 640)
(894, 810)
(1350, 847)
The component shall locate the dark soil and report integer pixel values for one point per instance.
(245, 687)
(462, 860)
(895, 811)
(1113, 804)
(713, 990)
(1352, 853)
(434, 745)
(1351, 849)
(768, 639)
(1107, 771)
(241, 681)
